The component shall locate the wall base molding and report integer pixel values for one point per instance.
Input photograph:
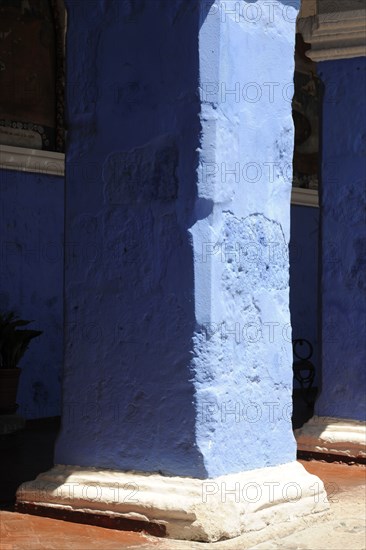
(337, 436)
(184, 508)
(305, 197)
(32, 160)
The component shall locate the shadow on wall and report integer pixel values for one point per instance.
(31, 234)
(304, 306)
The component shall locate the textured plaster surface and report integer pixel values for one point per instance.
(131, 173)
(31, 280)
(343, 240)
(168, 332)
(243, 359)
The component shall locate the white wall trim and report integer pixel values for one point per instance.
(305, 197)
(32, 160)
(190, 509)
(337, 35)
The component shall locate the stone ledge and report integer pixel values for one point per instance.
(32, 160)
(186, 508)
(305, 197)
(338, 436)
(336, 35)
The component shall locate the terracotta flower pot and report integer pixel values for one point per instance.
(9, 379)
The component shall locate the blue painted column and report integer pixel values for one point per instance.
(343, 236)
(178, 338)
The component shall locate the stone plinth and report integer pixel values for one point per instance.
(183, 508)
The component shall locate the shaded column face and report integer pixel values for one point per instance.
(342, 240)
(178, 353)
(131, 186)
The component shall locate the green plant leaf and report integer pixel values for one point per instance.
(14, 342)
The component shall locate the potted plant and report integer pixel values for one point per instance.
(13, 343)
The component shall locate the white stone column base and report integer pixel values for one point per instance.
(189, 509)
(323, 434)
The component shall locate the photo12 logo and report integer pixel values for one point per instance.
(267, 11)
(247, 172)
(246, 92)
(268, 491)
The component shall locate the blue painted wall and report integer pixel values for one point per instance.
(343, 233)
(139, 366)
(31, 280)
(304, 276)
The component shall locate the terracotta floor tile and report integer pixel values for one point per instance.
(26, 532)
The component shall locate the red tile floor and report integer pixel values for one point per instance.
(25, 532)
